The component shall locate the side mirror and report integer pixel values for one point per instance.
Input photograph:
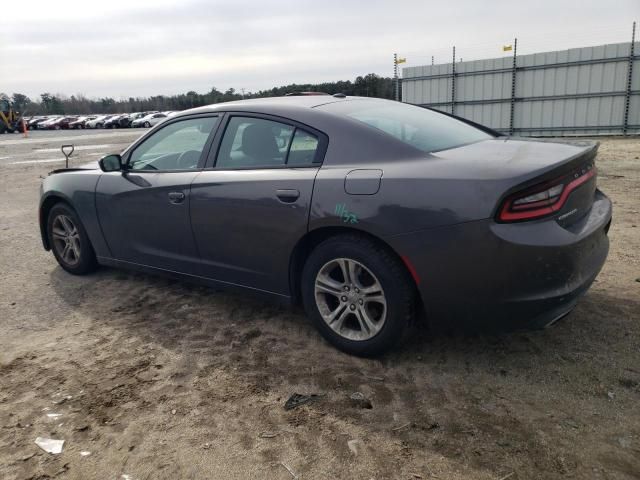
(111, 163)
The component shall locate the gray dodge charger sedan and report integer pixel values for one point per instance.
(366, 211)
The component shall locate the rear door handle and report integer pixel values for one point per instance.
(287, 195)
(176, 197)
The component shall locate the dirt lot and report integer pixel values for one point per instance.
(164, 380)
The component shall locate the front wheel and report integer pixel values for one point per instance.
(69, 241)
(358, 294)
(147, 124)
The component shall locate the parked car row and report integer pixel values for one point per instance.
(121, 120)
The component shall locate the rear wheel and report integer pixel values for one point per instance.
(69, 241)
(358, 294)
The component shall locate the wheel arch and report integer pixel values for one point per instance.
(313, 238)
(45, 207)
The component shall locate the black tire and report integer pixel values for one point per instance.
(397, 285)
(147, 124)
(86, 261)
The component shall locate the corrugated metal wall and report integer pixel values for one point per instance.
(581, 91)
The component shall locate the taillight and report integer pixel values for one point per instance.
(545, 199)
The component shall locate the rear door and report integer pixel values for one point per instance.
(144, 211)
(251, 204)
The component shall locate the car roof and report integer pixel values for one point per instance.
(301, 101)
(297, 108)
(342, 131)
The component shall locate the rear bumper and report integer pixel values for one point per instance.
(488, 276)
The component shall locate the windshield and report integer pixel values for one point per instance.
(419, 127)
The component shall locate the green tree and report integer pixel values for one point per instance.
(370, 85)
(20, 101)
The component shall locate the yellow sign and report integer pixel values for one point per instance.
(401, 60)
(507, 48)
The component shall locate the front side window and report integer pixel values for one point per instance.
(259, 143)
(419, 127)
(177, 146)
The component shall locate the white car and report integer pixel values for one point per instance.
(96, 122)
(149, 121)
(45, 124)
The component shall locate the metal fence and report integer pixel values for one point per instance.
(582, 91)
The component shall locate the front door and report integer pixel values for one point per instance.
(144, 210)
(250, 208)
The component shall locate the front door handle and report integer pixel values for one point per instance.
(287, 195)
(176, 197)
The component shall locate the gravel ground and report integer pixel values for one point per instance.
(160, 379)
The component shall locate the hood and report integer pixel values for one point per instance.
(87, 166)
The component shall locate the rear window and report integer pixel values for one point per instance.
(423, 129)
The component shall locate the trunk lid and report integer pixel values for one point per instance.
(518, 159)
(507, 166)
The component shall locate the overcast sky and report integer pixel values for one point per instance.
(123, 48)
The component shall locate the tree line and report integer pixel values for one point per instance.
(370, 85)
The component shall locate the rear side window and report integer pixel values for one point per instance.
(303, 148)
(257, 142)
(423, 129)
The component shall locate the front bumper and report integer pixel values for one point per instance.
(488, 276)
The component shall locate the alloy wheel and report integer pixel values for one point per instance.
(66, 239)
(350, 299)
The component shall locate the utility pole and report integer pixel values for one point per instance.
(625, 123)
(453, 83)
(513, 87)
(396, 90)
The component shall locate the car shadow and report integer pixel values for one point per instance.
(489, 394)
(156, 302)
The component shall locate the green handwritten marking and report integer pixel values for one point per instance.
(344, 214)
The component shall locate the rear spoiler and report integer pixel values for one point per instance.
(484, 128)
